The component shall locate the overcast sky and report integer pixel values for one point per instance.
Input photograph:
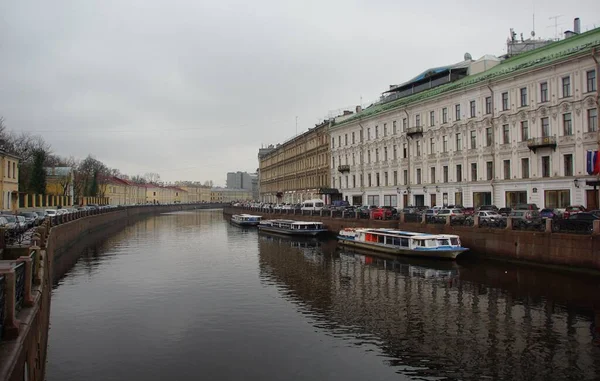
(191, 89)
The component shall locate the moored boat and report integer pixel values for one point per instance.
(291, 227)
(399, 242)
(245, 219)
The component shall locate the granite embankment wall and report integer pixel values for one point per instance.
(573, 251)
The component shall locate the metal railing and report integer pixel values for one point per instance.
(19, 285)
(33, 257)
(541, 142)
(2, 300)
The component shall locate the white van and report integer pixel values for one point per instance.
(316, 204)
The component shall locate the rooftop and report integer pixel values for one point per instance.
(543, 56)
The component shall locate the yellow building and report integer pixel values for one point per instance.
(298, 169)
(157, 194)
(197, 193)
(9, 180)
(59, 181)
(230, 195)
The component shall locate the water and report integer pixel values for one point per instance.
(188, 296)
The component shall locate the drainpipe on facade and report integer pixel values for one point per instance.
(493, 147)
(362, 162)
(408, 141)
(594, 57)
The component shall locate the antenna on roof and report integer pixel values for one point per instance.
(533, 23)
(556, 24)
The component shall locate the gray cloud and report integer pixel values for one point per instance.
(191, 89)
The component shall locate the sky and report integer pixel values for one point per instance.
(192, 89)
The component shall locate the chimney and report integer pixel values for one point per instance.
(347, 112)
(577, 25)
(358, 109)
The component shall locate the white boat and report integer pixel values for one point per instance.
(245, 219)
(399, 242)
(291, 227)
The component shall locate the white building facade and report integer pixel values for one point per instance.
(517, 132)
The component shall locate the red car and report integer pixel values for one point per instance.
(381, 214)
(573, 209)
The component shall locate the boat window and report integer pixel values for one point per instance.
(396, 241)
(443, 242)
(404, 242)
(454, 241)
(431, 243)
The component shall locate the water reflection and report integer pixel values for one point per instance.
(443, 319)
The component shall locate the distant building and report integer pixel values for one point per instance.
(59, 181)
(239, 180)
(9, 179)
(230, 195)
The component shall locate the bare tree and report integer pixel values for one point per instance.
(152, 178)
(138, 179)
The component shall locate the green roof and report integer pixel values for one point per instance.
(539, 57)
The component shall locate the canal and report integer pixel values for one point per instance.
(186, 295)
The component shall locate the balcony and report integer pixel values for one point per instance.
(414, 131)
(343, 168)
(546, 141)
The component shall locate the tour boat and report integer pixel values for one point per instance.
(245, 219)
(291, 227)
(403, 243)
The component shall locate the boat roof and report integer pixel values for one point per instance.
(296, 222)
(415, 235)
(248, 215)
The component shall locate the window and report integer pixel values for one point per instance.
(504, 101)
(14, 170)
(523, 93)
(353, 181)
(567, 124)
(333, 162)
(376, 132)
(525, 168)
(445, 115)
(390, 200)
(459, 173)
(445, 173)
(591, 80)
(368, 180)
(473, 171)
(345, 139)
(505, 134)
(368, 156)
(395, 177)
(404, 151)
(368, 134)
(557, 198)
(394, 127)
(340, 141)
(404, 124)
(384, 129)
(431, 118)
(395, 153)
(545, 127)
(458, 142)
(544, 92)
(432, 178)
(353, 160)
(432, 146)
(489, 138)
(362, 183)
(473, 139)
(457, 111)
(377, 155)
(353, 136)
(489, 169)
(472, 108)
(506, 169)
(333, 142)
(418, 148)
(385, 154)
(418, 120)
(488, 105)
(524, 130)
(566, 87)
(360, 135)
(405, 176)
(592, 117)
(545, 166)
(8, 167)
(418, 175)
(373, 200)
(568, 162)
(445, 143)
(377, 179)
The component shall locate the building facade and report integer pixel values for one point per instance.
(230, 195)
(298, 169)
(512, 131)
(9, 180)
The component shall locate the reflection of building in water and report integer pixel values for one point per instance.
(446, 327)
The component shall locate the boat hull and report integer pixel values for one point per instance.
(444, 254)
(277, 230)
(245, 223)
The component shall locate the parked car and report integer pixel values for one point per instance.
(550, 213)
(13, 224)
(455, 214)
(22, 223)
(31, 218)
(381, 214)
(316, 204)
(488, 207)
(573, 209)
(579, 222)
(51, 212)
(490, 218)
(526, 207)
(526, 218)
(430, 214)
(62, 211)
(504, 211)
(468, 211)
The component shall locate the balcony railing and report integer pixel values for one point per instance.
(344, 168)
(546, 141)
(414, 131)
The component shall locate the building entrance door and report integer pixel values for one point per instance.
(404, 201)
(357, 200)
(433, 200)
(419, 200)
(591, 196)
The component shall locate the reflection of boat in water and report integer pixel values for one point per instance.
(245, 219)
(400, 242)
(413, 267)
(291, 227)
(295, 241)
